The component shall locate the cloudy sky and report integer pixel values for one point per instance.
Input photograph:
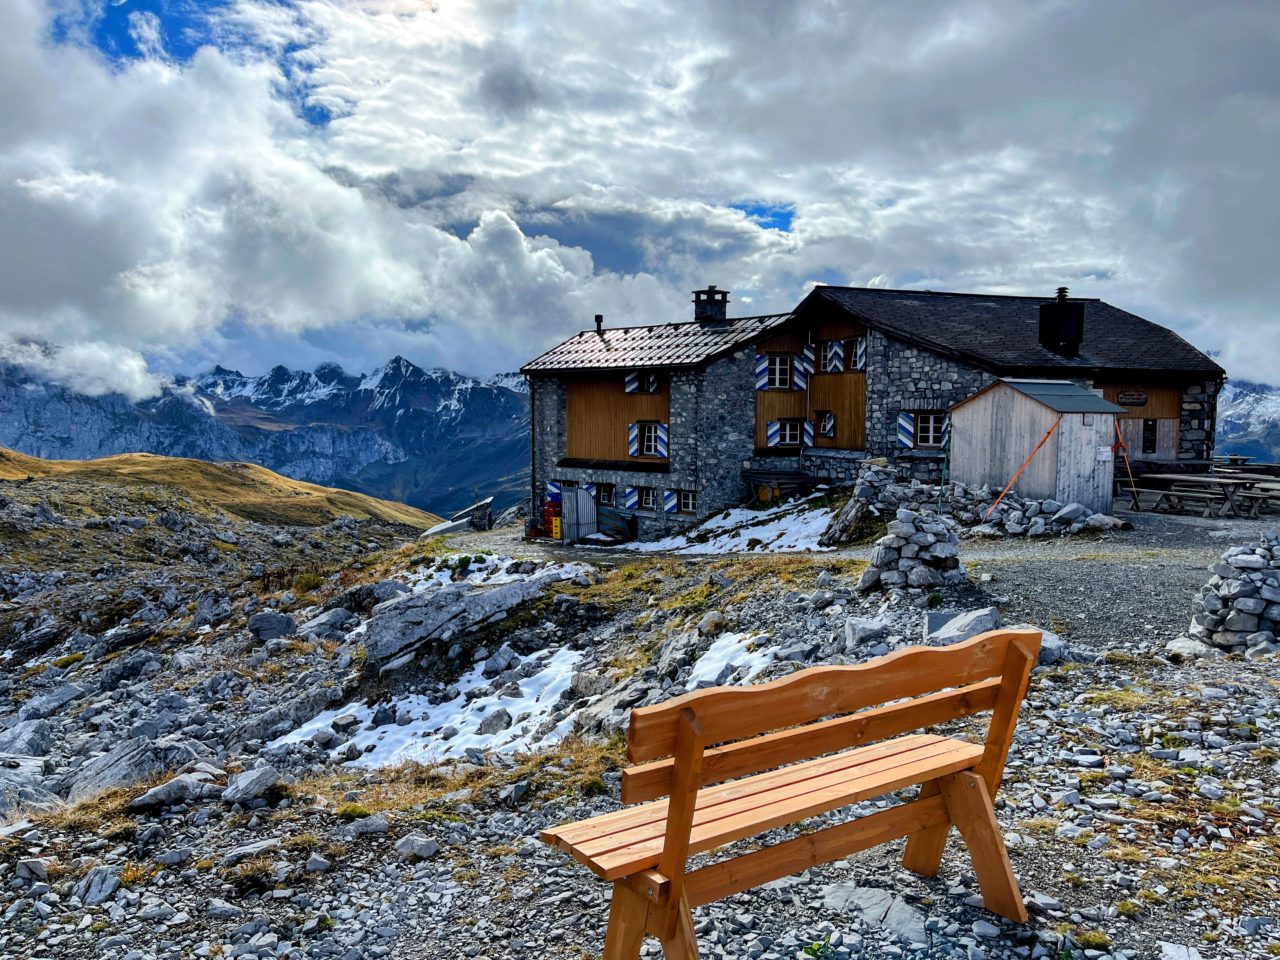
(252, 182)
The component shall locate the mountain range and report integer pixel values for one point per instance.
(433, 439)
(1249, 420)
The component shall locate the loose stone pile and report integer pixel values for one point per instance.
(1238, 610)
(1014, 517)
(918, 550)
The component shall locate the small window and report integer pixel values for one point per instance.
(647, 498)
(1150, 436)
(851, 350)
(826, 423)
(832, 356)
(780, 371)
(688, 501)
(929, 429)
(648, 438)
(604, 494)
(790, 432)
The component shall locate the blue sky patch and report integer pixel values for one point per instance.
(184, 26)
(771, 216)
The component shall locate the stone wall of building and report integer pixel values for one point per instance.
(1199, 421)
(904, 377)
(712, 425)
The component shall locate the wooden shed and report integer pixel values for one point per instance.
(994, 431)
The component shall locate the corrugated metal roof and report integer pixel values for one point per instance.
(1061, 396)
(665, 345)
(1002, 333)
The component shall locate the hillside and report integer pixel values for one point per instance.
(245, 490)
(434, 439)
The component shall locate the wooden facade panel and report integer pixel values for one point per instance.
(1084, 477)
(1163, 402)
(838, 328)
(1131, 430)
(778, 405)
(845, 395)
(599, 411)
(782, 343)
(992, 434)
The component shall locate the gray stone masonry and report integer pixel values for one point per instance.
(902, 377)
(1199, 421)
(711, 420)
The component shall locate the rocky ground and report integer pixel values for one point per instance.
(227, 738)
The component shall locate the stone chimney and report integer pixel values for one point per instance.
(710, 304)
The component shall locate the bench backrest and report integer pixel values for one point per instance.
(825, 709)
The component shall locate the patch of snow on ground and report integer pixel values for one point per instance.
(790, 527)
(419, 740)
(485, 571)
(731, 653)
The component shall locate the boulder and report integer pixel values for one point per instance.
(181, 789)
(30, 738)
(97, 886)
(416, 846)
(879, 908)
(495, 722)
(271, 625)
(1193, 649)
(46, 705)
(132, 760)
(22, 784)
(942, 627)
(330, 625)
(250, 784)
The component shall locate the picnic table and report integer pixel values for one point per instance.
(1233, 459)
(1178, 490)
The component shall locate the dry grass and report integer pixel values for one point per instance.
(243, 489)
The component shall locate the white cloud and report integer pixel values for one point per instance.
(186, 212)
(88, 367)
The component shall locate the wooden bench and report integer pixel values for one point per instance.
(734, 762)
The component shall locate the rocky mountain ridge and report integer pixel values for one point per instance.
(1249, 420)
(429, 438)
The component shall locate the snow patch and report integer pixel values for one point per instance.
(732, 654)
(420, 739)
(790, 527)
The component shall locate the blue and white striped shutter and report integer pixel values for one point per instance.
(651, 379)
(828, 426)
(632, 383)
(631, 498)
(808, 433)
(590, 488)
(946, 432)
(553, 491)
(772, 434)
(906, 430)
(803, 368)
(835, 356)
(860, 348)
(669, 504)
(762, 371)
(662, 440)
(633, 440)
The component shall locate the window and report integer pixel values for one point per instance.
(851, 352)
(648, 439)
(647, 498)
(929, 429)
(826, 423)
(688, 501)
(780, 371)
(1150, 436)
(648, 383)
(790, 432)
(831, 356)
(604, 494)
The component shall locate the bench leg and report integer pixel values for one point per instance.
(681, 945)
(628, 918)
(924, 848)
(970, 808)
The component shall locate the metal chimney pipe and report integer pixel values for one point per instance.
(600, 324)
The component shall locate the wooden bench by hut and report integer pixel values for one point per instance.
(1070, 429)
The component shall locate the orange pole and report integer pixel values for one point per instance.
(1128, 468)
(1025, 464)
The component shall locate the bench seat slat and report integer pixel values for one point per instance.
(619, 844)
(610, 824)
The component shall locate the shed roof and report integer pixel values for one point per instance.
(1060, 396)
(664, 345)
(1001, 333)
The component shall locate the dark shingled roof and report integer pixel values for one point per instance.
(1002, 334)
(667, 345)
(1060, 396)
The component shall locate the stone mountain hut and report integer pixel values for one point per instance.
(1068, 433)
